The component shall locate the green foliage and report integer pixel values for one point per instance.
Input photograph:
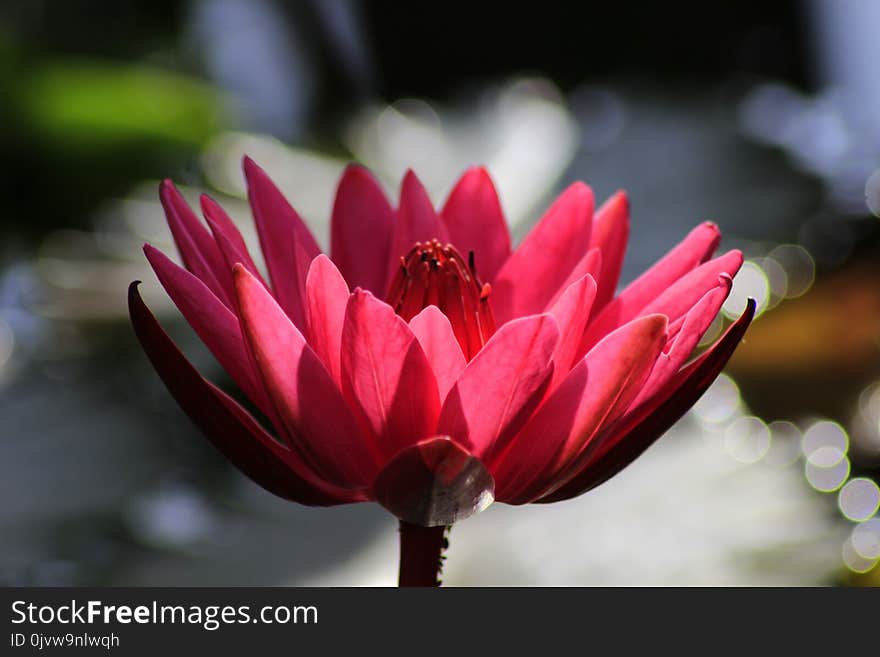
(94, 105)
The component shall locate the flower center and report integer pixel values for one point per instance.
(434, 274)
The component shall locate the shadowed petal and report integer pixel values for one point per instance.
(610, 234)
(326, 296)
(541, 264)
(417, 221)
(435, 334)
(213, 322)
(695, 249)
(571, 312)
(303, 393)
(475, 221)
(360, 230)
(197, 248)
(434, 482)
(287, 244)
(386, 377)
(228, 237)
(500, 388)
(625, 441)
(596, 392)
(232, 430)
(680, 297)
(694, 325)
(590, 264)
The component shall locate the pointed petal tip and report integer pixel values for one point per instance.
(355, 168)
(582, 189)
(248, 164)
(168, 192)
(241, 275)
(411, 180)
(207, 204)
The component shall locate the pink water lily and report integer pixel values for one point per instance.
(427, 365)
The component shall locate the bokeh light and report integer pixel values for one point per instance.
(720, 402)
(872, 193)
(826, 469)
(785, 444)
(854, 560)
(747, 439)
(859, 499)
(865, 538)
(750, 282)
(799, 268)
(824, 433)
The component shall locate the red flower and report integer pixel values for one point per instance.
(426, 366)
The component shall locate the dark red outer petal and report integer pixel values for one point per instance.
(635, 433)
(434, 482)
(227, 425)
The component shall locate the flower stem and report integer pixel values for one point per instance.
(421, 557)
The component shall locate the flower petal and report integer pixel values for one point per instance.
(433, 483)
(360, 230)
(213, 322)
(228, 237)
(590, 264)
(435, 334)
(197, 249)
(694, 325)
(544, 260)
(610, 234)
(680, 297)
(571, 311)
(475, 221)
(596, 392)
(695, 249)
(623, 442)
(417, 221)
(326, 298)
(308, 402)
(386, 377)
(501, 387)
(288, 245)
(232, 430)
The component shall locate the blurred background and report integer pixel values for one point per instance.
(762, 117)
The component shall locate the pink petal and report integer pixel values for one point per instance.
(620, 444)
(197, 249)
(232, 430)
(694, 325)
(303, 393)
(386, 377)
(360, 230)
(541, 264)
(326, 297)
(228, 237)
(288, 245)
(590, 264)
(213, 322)
(417, 221)
(571, 311)
(475, 221)
(696, 248)
(596, 392)
(435, 334)
(433, 483)
(609, 235)
(501, 387)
